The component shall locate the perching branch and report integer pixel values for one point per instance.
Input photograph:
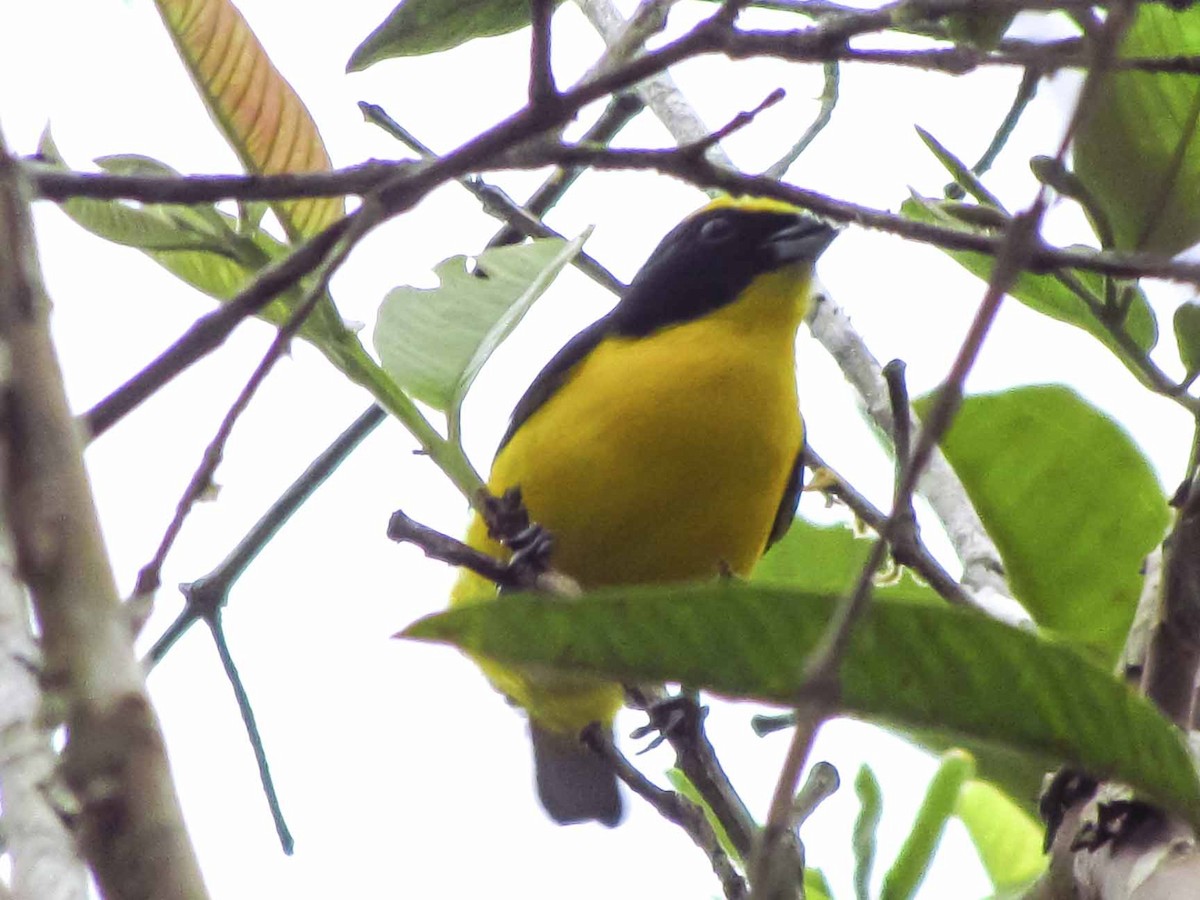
(673, 807)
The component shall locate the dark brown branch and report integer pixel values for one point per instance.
(148, 579)
(454, 552)
(1172, 655)
(672, 807)
(620, 111)
(908, 552)
(541, 73)
(59, 185)
(1043, 258)
(210, 331)
(518, 220)
(680, 721)
(822, 682)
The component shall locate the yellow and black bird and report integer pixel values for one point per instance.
(661, 444)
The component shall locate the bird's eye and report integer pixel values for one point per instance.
(714, 231)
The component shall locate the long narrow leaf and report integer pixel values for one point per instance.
(261, 116)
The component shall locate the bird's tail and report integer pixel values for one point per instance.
(574, 784)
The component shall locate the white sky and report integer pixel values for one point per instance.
(400, 771)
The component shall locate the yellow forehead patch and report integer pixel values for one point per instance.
(749, 204)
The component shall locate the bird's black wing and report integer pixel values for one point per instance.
(790, 500)
(555, 373)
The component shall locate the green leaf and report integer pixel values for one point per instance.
(416, 27)
(959, 171)
(866, 824)
(828, 559)
(201, 217)
(199, 244)
(147, 227)
(1048, 294)
(1073, 506)
(980, 29)
(916, 854)
(1019, 775)
(816, 885)
(1187, 334)
(683, 785)
(1136, 151)
(1008, 839)
(434, 342)
(910, 665)
(257, 111)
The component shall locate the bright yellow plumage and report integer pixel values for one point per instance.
(661, 454)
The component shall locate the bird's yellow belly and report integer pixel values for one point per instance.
(672, 476)
(658, 461)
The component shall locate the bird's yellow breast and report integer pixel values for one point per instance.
(660, 459)
(665, 459)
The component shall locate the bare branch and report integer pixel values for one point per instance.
(130, 825)
(660, 93)
(541, 73)
(519, 221)
(45, 859)
(672, 807)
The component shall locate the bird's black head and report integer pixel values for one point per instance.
(711, 256)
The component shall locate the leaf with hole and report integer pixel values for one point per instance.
(434, 342)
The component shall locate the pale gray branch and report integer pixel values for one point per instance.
(625, 39)
(983, 572)
(129, 824)
(45, 863)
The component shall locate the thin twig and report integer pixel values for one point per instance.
(620, 112)
(737, 123)
(211, 591)
(911, 553)
(821, 685)
(246, 709)
(214, 188)
(1026, 91)
(206, 596)
(672, 807)
(829, 99)
(496, 202)
(680, 721)
(149, 577)
(822, 783)
(660, 93)
(61, 185)
(210, 331)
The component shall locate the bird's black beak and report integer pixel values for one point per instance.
(803, 241)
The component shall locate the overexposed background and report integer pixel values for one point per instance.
(400, 772)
